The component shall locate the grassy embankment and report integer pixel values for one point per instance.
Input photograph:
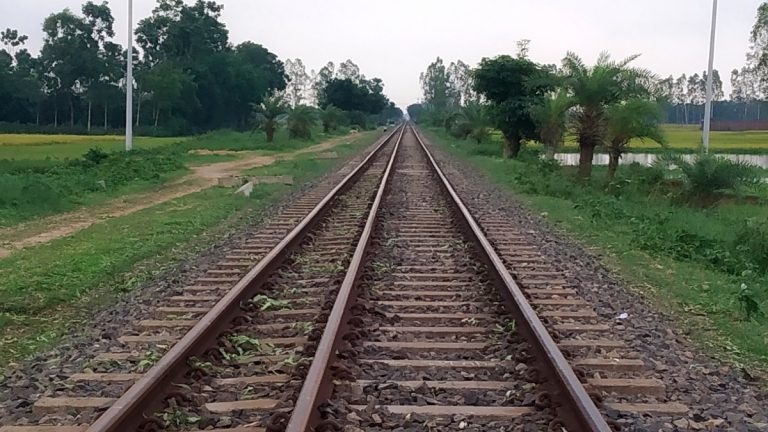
(48, 289)
(706, 267)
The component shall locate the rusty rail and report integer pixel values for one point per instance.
(146, 394)
(317, 385)
(579, 411)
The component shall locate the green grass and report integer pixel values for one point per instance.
(32, 187)
(690, 262)
(48, 289)
(20, 146)
(687, 139)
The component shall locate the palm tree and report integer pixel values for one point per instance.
(635, 118)
(550, 118)
(300, 122)
(331, 118)
(265, 114)
(595, 88)
(471, 121)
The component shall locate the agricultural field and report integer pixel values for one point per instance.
(34, 146)
(687, 139)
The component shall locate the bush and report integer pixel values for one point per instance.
(35, 188)
(752, 241)
(708, 177)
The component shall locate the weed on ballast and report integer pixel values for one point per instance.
(179, 418)
(266, 303)
(748, 303)
(147, 361)
(303, 327)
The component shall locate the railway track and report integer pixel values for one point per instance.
(380, 304)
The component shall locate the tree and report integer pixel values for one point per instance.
(366, 96)
(331, 118)
(550, 118)
(460, 75)
(298, 82)
(759, 44)
(681, 94)
(513, 86)
(349, 70)
(265, 115)
(69, 56)
(415, 111)
(594, 89)
(632, 119)
(300, 122)
(12, 40)
(471, 121)
(439, 95)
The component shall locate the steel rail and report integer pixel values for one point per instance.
(317, 385)
(579, 411)
(146, 394)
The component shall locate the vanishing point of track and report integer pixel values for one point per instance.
(375, 305)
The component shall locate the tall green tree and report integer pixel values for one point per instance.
(513, 86)
(550, 116)
(300, 122)
(265, 115)
(594, 89)
(331, 117)
(632, 119)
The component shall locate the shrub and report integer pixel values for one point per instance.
(708, 177)
(752, 241)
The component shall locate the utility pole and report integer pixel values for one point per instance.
(129, 83)
(708, 105)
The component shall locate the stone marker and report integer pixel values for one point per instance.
(287, 180)
(246, 189)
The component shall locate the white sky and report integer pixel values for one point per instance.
(396, 40)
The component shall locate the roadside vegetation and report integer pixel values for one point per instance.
(47, 289)
(31, 187)
(689, 232)
(694, 240)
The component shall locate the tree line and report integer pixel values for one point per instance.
(604, 105)
(189, 76)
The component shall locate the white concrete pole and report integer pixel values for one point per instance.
(129, 83)
(708, 105)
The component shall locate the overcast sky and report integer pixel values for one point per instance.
(396, 40)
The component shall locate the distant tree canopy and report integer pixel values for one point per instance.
(513, 86)
(188, 76)
(348, 95)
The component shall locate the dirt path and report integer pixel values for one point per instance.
(202, 177)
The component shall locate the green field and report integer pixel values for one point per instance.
(706, 267)
(20, 146)
(47, 289)
(687, 139)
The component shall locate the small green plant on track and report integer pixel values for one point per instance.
(291, 360)
(303, 327)
(507, 328)
(179, 418)
(246, 342)
(749, 306)
(383, 267)
(266, 303)
(147, 361)
(207, 367)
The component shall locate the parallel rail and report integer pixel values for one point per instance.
(146, 394)
(577, 411)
